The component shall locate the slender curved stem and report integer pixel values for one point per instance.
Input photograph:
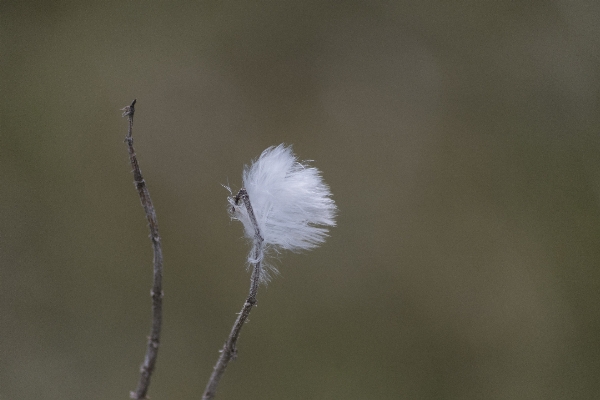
(229, 351)
(157, 294)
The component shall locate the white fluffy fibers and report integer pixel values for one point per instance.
(291, 203)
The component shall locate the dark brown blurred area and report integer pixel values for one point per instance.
(461, 143)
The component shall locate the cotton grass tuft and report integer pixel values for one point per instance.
(291, 204)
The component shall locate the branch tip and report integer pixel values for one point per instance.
(130, 109)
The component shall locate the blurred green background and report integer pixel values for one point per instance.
(461, 143)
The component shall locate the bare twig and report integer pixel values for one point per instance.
(157, 294)
(229, 351)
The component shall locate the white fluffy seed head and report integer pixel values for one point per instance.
(291, 203)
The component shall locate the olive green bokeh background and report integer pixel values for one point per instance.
(461, 142)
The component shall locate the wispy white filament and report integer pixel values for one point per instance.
(291, 203)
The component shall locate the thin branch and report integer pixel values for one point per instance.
(229, 351)
(157, 294)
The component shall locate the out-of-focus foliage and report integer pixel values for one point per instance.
(460, 140)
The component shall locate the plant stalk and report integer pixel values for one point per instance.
(157, 294)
